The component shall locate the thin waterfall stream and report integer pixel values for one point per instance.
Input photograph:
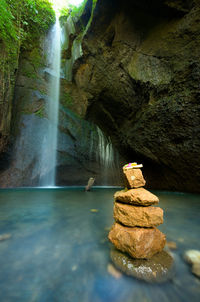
(49, 148)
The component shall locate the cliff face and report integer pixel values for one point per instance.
(140, 70)
(8, 67)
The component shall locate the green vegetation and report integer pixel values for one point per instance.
(74, 11)
(21, 21)
(66, 99)
(40, 112)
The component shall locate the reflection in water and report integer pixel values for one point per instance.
(59, 249)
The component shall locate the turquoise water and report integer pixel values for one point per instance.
(59, 252)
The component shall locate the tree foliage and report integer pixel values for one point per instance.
(73, 10)
(24, 20)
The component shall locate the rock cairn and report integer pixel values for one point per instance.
(134, 230)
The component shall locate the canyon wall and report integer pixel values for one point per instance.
(140, 70)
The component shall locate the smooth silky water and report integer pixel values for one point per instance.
(49, 146)
(58, 250)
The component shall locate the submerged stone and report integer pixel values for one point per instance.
(137, 216)
(140, 243)
(138, 196)
(133, 178)
(193, 257)
(196, 269)
(5, 236)
(157, 269)
(113, 271)
(171, 245)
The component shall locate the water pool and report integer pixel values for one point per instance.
(59, 252)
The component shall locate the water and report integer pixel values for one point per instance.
(107, 157)
(59, 249)
(105, 152)
(49, 148)
(102, 151)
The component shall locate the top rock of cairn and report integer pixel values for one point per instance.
(133, 176)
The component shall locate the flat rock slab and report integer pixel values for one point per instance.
(134, 178)
(157, 269)
(132, 216)
(140, 243)
(139, 196)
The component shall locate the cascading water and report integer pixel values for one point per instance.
(49, 148)
(104, 154)
(105, 151)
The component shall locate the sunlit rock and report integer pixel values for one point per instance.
(138, 196)
(133, 178)
(141, 243)
(137, 216)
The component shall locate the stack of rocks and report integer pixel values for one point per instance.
(134, 230)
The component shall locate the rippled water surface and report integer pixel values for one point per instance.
(59, 252)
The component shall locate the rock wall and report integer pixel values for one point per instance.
(9, 65)
(140, 71)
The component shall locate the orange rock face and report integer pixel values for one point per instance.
(140, 243)
(138, 196)
(134, 178)
(137, 216)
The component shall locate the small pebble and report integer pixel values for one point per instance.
(94, 210)
(113, 271)
(5, 236)
(192, 256)
(171, 245)
(74, 268)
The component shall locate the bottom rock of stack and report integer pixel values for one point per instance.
(158, 269)
(140, 243)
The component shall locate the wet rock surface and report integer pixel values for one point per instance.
(157, 269)
(141, 243)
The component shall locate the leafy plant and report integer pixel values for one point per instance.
(74, 11)
(24, 20)
(7, 29)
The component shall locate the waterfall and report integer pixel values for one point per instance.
(49, 147)
(106, 156)
(105, 151)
